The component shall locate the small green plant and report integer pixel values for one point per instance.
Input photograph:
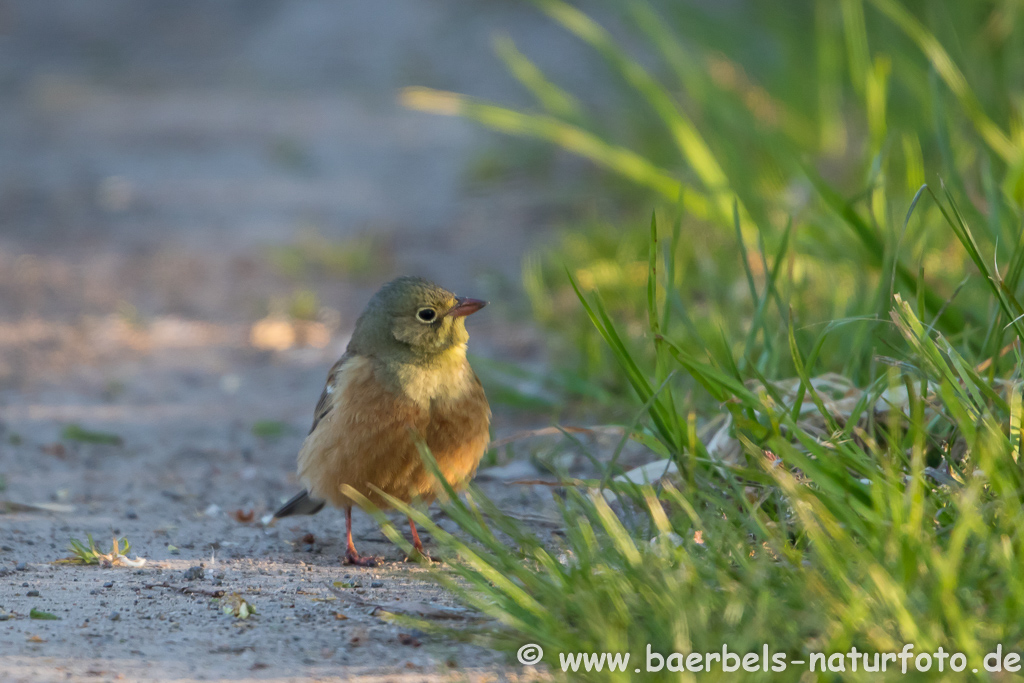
(74, 432)
(40, 614)
(90, 554)
(236, 606)
(269, 429)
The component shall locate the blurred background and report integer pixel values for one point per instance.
(172, 174)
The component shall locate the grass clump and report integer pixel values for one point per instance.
(826, 352)
(823, 518)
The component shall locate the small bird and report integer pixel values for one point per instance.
(404, 372)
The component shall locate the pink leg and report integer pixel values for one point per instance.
(351, 556)
(417, 544)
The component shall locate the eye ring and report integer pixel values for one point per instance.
(426, 315)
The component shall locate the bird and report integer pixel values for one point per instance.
(404, 376)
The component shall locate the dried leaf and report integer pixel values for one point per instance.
(11, 506)
(243, 516)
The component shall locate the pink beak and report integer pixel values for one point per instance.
(465, 306)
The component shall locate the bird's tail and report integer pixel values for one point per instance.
(301, 504)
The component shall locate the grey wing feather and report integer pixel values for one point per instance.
(324, 405)
(303, 503)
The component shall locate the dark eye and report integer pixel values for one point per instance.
(426, 314)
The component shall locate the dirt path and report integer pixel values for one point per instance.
(156, 165)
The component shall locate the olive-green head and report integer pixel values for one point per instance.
(411, 319)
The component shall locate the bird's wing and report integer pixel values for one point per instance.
(361, 436)
(325, 404)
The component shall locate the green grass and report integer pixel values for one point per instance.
(74, 432)
(834, 519)
(833, 268)
(90, 554)
(269, 429)
(40, 614)
(818, 122)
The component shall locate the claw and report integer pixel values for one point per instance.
(361, 560)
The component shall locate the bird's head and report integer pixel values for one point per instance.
(411, 319)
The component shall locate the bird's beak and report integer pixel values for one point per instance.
(465, 306)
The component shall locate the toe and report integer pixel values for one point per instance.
(360, 561)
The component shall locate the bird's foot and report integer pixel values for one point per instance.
(361, 560)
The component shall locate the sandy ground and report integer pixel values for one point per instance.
(188, 471)
(152, 157)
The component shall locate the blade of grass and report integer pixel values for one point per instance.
(620, 160)
(684, 133)
(1011, 307)
(996, 139)
(556, 101)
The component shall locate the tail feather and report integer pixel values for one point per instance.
(301, 504)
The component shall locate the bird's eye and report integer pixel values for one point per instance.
(426, 315)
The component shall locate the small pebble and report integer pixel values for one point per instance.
(115, 616)
(21, 566)
(6, 548)
(108, 584)
(24, 585)
(131, 514)
(377, 584)
(33, 594)
(194, 573)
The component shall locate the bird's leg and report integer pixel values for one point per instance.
(351, 556)
(417, 544)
